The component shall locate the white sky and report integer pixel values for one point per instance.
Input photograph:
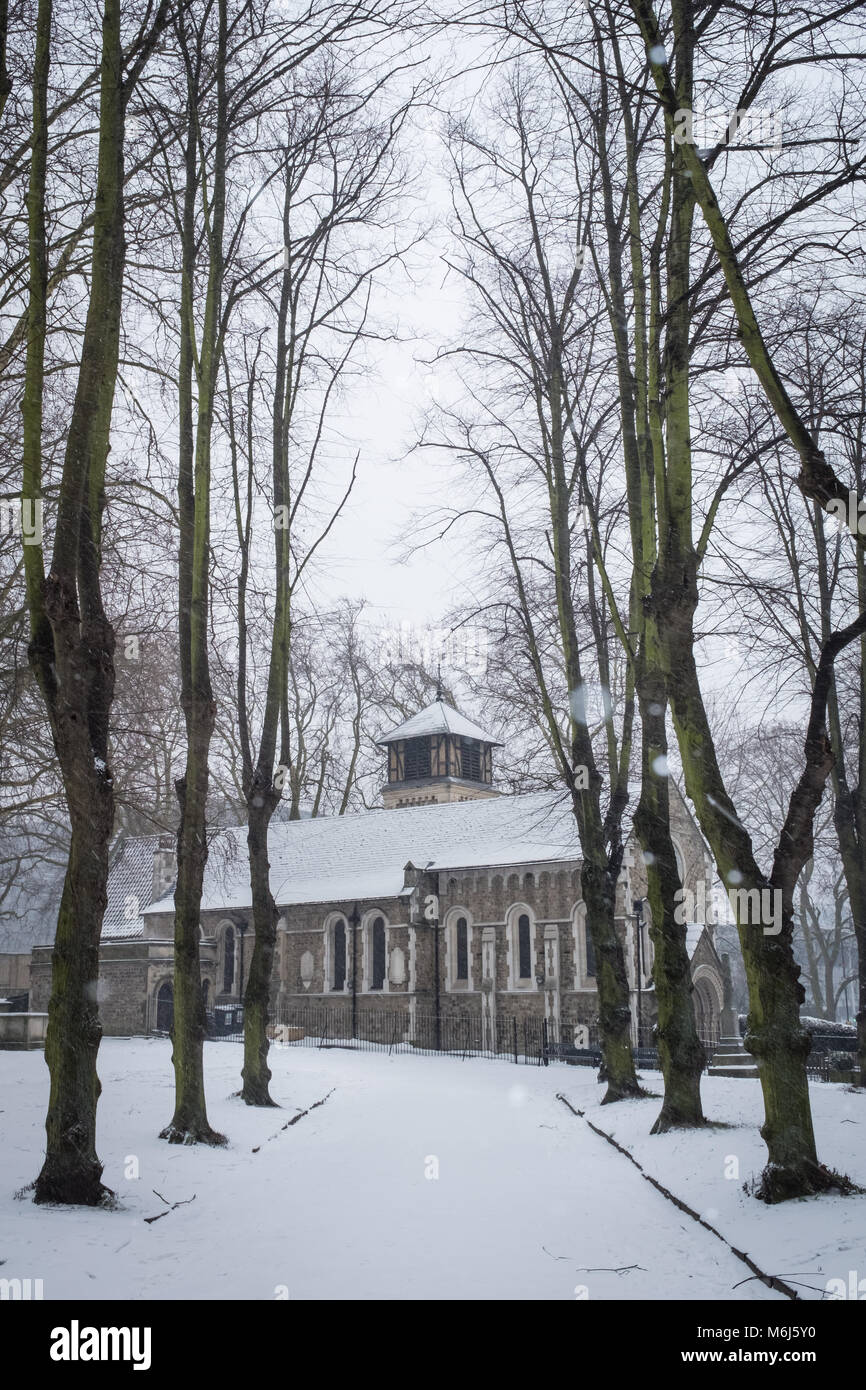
(365, 550)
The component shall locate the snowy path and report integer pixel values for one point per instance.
(528, 1203)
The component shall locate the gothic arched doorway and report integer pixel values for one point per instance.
(706, 1006)
(165, 1007)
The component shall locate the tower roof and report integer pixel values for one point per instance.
(439, 718)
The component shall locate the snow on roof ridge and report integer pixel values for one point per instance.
(510, 797)
(436, 718)
(363, 855)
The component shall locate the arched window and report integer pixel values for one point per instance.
(524, 947)
(457, 932)
(228, 960)
(165, 1007)
(339, 957)
(590, 950)
(647, 949)
(584, 951)
(336, 964)
(462, 941)
(377, 954)
(521, 947)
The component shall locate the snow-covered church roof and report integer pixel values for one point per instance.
(363, 856)
(438, 718)
(130, 879)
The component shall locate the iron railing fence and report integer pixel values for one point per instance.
(831, 1053)
(526, 1041)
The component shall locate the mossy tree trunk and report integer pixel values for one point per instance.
(189, 1124)
(817, 479)
(262, 782)
(639, 374)
(72, 642)
(600, 836)
(775, 1036)
(849, 811)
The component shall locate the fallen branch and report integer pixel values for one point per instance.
(294, 1120)
(772, 1281)
(172, 1206)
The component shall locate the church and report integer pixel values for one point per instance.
(452, 899)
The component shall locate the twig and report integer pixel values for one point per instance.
(171, 1206)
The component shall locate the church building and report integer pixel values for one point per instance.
(453, 899)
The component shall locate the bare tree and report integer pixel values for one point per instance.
(775, 1035)
(538, 441)
(337, 171)
(72, 641)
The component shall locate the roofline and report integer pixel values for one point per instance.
(492, 868)
(396, 737)
(395, 733)
(434, 780)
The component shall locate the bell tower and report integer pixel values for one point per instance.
(436, 756)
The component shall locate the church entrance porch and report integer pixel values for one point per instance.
(707, 1006)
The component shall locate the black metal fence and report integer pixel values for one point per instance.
(527, 1041)
(833, 1055)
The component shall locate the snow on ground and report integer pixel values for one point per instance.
(528, 1202)
(807, 1242)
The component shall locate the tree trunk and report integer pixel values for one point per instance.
(774, 1036)
(72, 1171)
(256, 1072)
(72, 643)
(855, 881)
(860, 928)
(600, 838)
(681, 1054)
(598, 887)
(189, 1124)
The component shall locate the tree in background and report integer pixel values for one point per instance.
(335, 173)
(537, 447)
